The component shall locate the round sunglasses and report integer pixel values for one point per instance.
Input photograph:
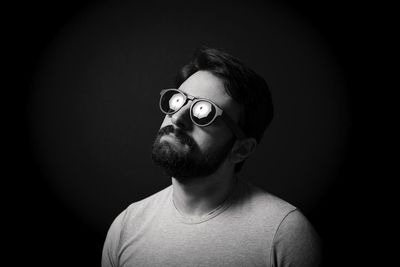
(203, 112)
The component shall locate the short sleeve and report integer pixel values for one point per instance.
(111, 244)
(296, 243)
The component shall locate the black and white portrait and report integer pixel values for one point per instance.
(187, 133)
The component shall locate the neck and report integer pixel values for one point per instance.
(203, 194)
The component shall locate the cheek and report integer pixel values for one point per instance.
(218, 132)
(211, 139)
(208, 138)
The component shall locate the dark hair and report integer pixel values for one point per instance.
(244, 85)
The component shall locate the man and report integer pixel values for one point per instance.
(209, 216)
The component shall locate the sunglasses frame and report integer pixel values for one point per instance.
(219, 111)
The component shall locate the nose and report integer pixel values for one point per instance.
(181, 118)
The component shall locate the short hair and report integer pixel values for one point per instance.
(241, 83)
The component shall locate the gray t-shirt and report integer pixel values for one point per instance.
(251, 228)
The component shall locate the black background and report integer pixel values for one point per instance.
(47, 232)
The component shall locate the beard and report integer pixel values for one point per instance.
(186, 164)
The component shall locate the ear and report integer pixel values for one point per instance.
(242, 149)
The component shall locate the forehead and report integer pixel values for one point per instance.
(204, 84)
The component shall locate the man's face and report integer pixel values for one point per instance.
(187, 151)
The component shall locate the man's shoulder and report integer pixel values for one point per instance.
(151, 201)
(266, 198)
(134, 218)
(263, 204)
(147, 207)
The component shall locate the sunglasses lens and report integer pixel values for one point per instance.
(203, 112)
(171, 101)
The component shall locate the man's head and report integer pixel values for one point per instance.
(196, 151)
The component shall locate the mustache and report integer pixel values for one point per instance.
(180, 134)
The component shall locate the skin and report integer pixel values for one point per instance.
(202, 195)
